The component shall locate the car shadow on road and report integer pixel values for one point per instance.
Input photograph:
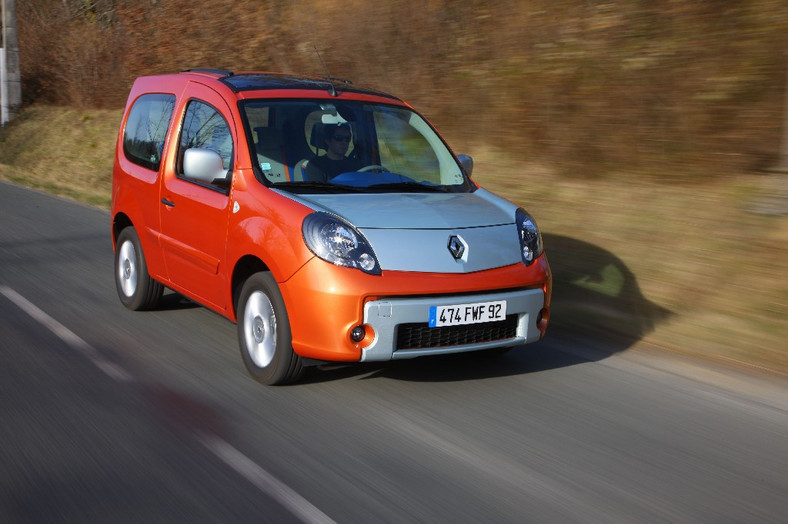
(174, 301)
(598, 310)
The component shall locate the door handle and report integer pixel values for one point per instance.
(168, 203)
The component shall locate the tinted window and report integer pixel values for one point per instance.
(146, 128)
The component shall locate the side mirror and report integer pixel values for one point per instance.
(204, 165)
(467, 163)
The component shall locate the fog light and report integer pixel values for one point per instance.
(358, 333)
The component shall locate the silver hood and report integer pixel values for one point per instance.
(416, 210)
(412, 231)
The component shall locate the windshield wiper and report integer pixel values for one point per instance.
(312, 187)
(408, 187)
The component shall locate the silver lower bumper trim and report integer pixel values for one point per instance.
(386, 315)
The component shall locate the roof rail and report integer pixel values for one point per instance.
(219, 72)
(334, 79)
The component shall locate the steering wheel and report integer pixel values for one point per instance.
(374, 168)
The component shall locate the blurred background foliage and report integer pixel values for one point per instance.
(590, 87)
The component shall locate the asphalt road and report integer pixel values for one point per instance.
(108, 415)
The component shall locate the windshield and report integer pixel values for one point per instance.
(316, 146)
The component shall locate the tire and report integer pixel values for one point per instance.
(136, 289)
(264, 332)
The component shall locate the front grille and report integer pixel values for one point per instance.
(421, 336)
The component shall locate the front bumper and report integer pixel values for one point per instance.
(391, 318)
(326, 302)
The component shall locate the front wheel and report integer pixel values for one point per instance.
(264, 332)
(136, 289)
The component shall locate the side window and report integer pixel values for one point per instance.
(205, 128)
(146, 127)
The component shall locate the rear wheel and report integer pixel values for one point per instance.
(136, 289)
(264, 332)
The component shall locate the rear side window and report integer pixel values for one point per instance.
(146, 127)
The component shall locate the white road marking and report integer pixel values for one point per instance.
(265, 482)
(240, 463)
(67, 336)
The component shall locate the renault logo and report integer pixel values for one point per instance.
(457, 247)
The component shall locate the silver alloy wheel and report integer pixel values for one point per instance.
(127, 268)
(260, 328)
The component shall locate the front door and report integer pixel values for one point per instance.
(195, 214)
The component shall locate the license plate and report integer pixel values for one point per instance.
(460, 314)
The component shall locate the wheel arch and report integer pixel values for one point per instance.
(119, 222)
(245, 267)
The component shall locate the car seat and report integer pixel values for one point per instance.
(270, 155)
(302, 171)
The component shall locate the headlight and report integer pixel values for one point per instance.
(336, 241)
(530, 238)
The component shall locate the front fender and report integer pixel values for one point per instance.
(267, 225)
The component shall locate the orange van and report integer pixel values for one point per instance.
(330, 222)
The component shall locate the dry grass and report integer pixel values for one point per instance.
(64, 151)
(684, 266)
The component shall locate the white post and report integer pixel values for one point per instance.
(3, 94)
(3, 90)
(9, 69)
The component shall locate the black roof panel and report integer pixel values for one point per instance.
(257, 81)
